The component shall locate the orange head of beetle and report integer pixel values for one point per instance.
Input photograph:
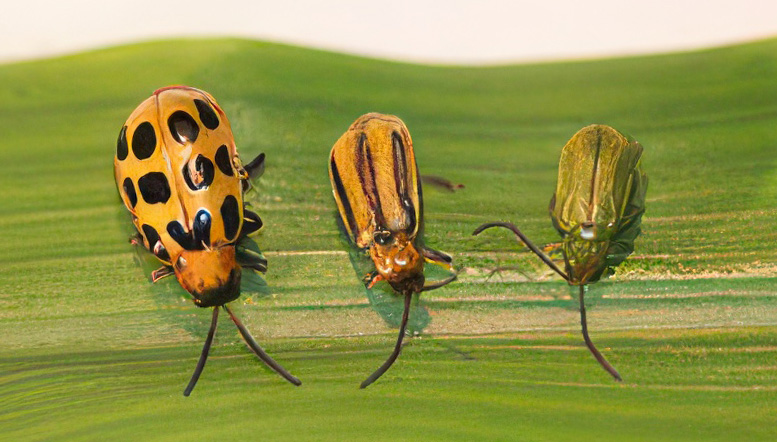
(212, 276)
(397, 261)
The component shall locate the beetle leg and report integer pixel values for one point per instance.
(255, 168)
(136, 240)
(591, 347)
(397, 348)
(251, 223)
(438, 284)
(238, 166)
(161, 272)
(204, 355)
(372, 278)
(526, 241)
(500, 269)
(552, 249)
(250, 259)
(259, 351)
(436, 257)
(257, 263)
(252, 170)
(441, 259)
(440, 182)
(259, 267)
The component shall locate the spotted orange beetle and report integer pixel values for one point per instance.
(179, 174)
(377, 189)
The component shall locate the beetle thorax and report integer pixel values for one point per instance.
(585, 258)
(212, 275)
(398, 262)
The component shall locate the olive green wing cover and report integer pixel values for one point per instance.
(601, 180)
(622, 243)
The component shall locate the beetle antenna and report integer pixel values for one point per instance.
(526, 241)
(606, 365)
(258, 350)
(395, 354)
(204, 355)
(438, 284)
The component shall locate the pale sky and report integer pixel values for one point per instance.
(452, 31)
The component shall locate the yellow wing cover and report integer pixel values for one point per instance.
(178, 172)
(375, 179)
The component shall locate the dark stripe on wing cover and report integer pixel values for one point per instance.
(400, 175)
(348, 212)
(595, 177)
(366, 170)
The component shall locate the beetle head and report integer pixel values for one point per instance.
(212, 276)
(591, 231)
(398, 261)
(585, 250)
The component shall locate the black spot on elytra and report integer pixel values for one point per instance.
(161, 252)
(183, 127)
(202, 175)
(121, 145)
(144, 140)
(201, 227)
(347, 212)
(154, 244)
(154, 187)
(186, 240)
(151, 235)
(207, 115)
(223, 161)
(129, 189)
(231, 216)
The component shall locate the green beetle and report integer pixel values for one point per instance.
(597, 209)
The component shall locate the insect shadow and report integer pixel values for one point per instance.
(165, 292)
(383, 299)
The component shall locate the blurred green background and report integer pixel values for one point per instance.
(91, 350)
